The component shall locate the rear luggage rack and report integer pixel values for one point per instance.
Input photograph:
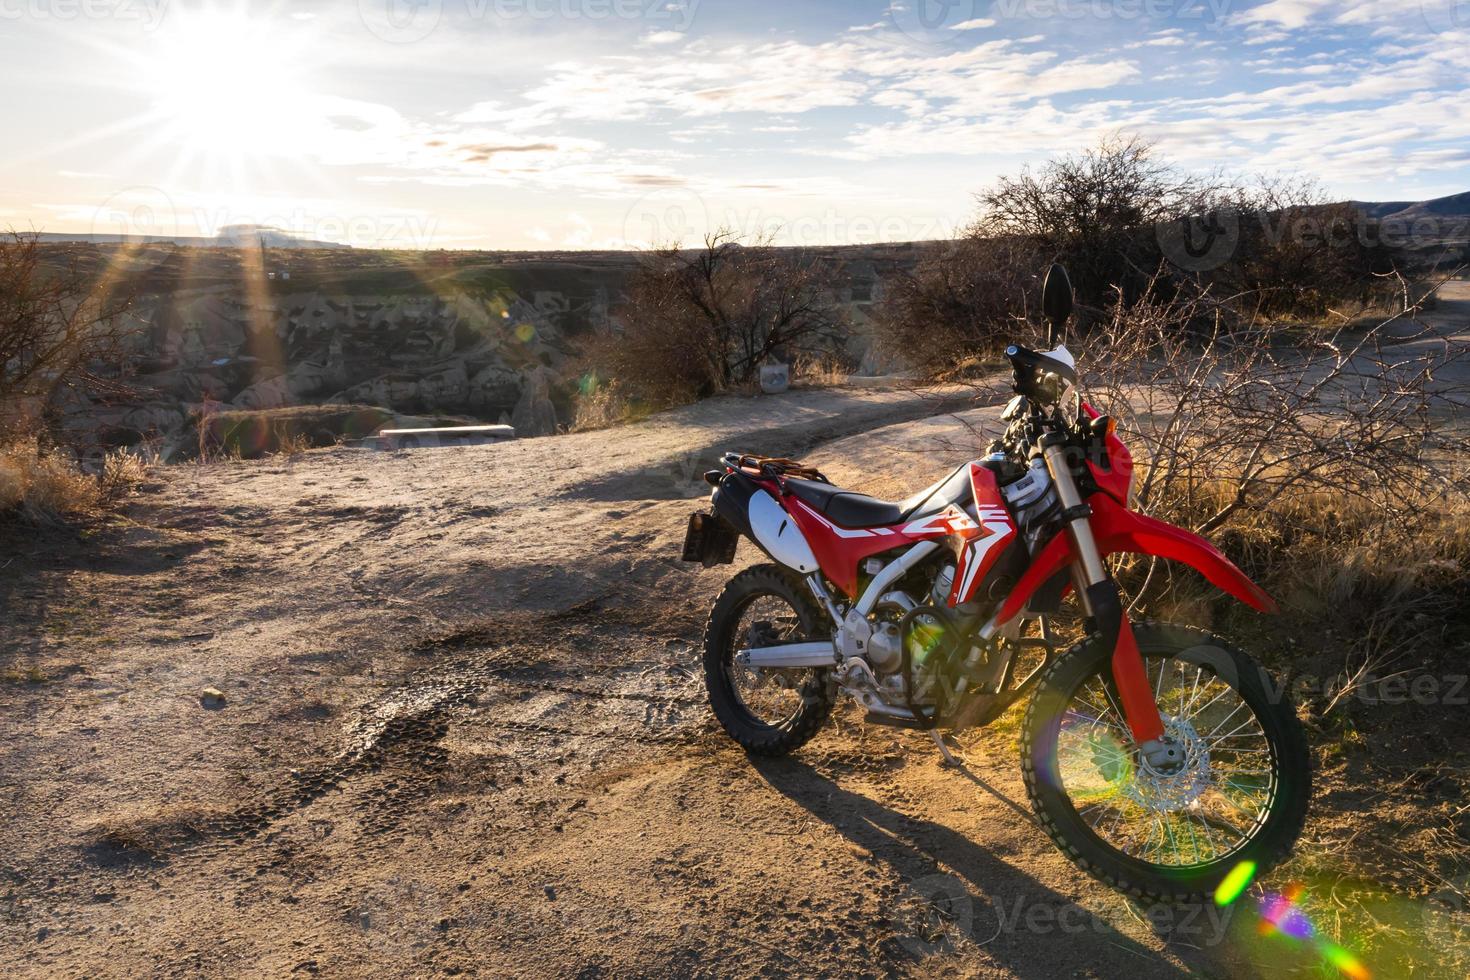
(774, 466)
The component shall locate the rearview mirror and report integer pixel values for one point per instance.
(1056, 301)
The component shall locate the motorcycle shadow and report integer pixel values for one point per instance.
(959, 900)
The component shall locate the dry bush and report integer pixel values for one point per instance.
(1327, 464)
(41, 485)
(121, 473)
(1097, 212)
(58, 323)
(602, 405)
(1298, 254)
(1119, 219)
(826, 370)
(959, 306)
(702, 321)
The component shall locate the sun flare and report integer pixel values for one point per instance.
(226, 86)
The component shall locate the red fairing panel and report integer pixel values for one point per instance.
(1117, 478)
(1120, 530)
(982, 545)
(840, 550)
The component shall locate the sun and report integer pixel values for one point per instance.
(225, 85)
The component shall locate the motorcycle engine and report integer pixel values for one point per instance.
(1033, 504)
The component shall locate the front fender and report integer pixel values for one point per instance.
(1119, 530)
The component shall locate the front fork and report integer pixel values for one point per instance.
(1099, 596)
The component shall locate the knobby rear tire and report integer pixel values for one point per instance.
(720, 645)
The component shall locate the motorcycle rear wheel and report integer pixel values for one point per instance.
(1240, 796)
(776, 711)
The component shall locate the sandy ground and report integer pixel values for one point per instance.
(464, 733)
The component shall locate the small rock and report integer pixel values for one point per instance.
(206, 635)
(42, 934)
(212, 697)
(550, 893)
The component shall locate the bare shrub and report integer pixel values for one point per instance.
(1106, 214)
(826, 370)
(601, 405)
(58, 321)
(42, 485)
(701, 321)
(960, 305)
(120, 475)
(1325, 463)
(1299, 254)
(1097, 212)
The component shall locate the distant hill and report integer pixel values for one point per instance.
(1381, 209)
(230, 236)
(1453, 206)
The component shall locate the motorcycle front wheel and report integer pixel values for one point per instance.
(1170, 834)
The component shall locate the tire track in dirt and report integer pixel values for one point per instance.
(401, 731)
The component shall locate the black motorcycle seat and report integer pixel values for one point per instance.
(845, 507)
(858, 510)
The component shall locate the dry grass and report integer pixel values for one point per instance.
(241, 434)
(601, 406)
(826, 370)
(43, 486)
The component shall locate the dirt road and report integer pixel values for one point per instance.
(463, 732)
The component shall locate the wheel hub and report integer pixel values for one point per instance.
(1175, 787)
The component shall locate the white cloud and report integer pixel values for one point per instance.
(1296, 14)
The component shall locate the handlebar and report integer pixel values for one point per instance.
(1037, 376)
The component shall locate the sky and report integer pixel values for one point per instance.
(539, 124)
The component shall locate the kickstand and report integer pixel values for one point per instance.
(949, 760)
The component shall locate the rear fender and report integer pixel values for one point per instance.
(753, 510)
(1119, 530)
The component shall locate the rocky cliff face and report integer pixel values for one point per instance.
(492, 343)
(493, 359)
(489, 337)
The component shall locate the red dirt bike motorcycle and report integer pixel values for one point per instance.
(1159, 758)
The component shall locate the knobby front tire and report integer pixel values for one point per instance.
(1241, 796)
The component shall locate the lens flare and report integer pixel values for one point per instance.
(1235, 883)
(1282, 916)
(1348, 964)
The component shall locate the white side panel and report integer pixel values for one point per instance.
(779, 535)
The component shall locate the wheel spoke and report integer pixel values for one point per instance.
(771, 697)
(1200, 812)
